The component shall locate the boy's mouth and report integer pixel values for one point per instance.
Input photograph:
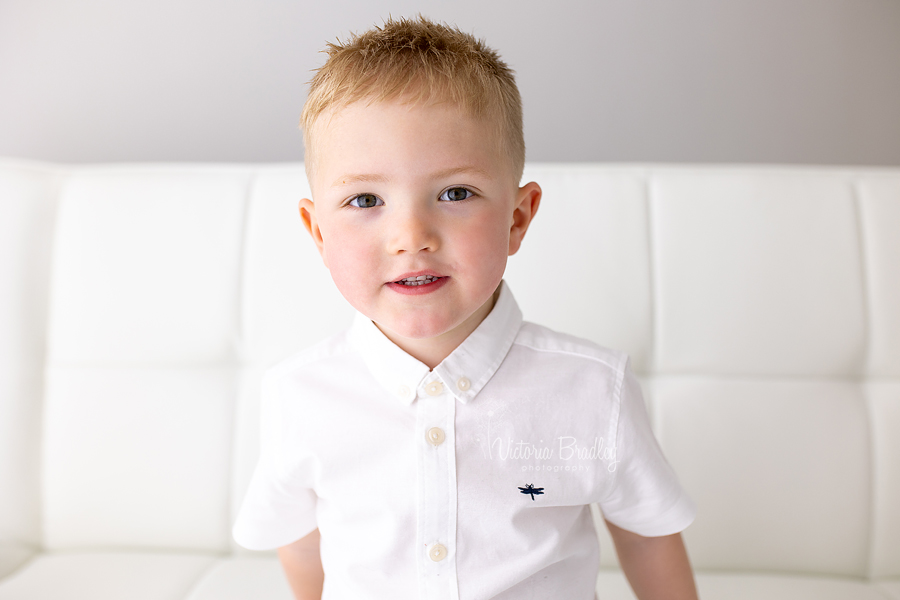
(418, 280)
(419, 283)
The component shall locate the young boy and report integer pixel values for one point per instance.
(442, 448)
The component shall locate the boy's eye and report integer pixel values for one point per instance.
(456, 194)
(366, 201)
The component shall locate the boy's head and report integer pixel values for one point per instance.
(417, 197)
(418, 62)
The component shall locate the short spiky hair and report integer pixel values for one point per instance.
(419, 61)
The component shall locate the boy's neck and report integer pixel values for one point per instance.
(432, 351)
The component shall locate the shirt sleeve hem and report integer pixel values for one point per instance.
(251, 538)
(674, 520)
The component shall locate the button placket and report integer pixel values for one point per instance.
(436, 491)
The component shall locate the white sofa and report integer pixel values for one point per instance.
(139, 305)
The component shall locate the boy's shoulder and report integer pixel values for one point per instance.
(335, 347)
(543, 339)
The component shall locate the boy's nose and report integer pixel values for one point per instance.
(413, 231)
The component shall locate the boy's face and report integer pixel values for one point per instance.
(423, 193)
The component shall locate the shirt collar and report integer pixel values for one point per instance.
(464, 373)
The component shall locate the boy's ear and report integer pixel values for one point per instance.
(308, 216)
(528, 199)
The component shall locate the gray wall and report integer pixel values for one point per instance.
(764, 81)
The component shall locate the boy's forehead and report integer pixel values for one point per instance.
(342, 131)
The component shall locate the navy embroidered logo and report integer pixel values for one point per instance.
(530, 489)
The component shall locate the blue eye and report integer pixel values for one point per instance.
(456, 194)
(366, 201)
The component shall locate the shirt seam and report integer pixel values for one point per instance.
(617, 410)
(570, 353)
(284, 473)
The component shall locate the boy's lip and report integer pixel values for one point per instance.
(434, 282)
(416, 274)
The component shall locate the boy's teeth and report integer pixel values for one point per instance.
(420, 280)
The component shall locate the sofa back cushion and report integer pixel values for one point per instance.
(758, 305)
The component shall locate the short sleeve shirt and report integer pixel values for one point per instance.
(469, 481)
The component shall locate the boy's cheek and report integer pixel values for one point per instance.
(347, 263)
(328, 238)
(353, 289)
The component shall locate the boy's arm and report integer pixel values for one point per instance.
(656, 567)
(303, 567)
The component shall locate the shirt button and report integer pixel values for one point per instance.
(403, 391)
(435, 436)
(437, 553)
(463, 384)
(434, 388)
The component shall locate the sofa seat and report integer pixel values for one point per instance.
(178, 576)
(107, 576)
(756, 586)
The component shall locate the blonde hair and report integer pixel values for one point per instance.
(419, 61)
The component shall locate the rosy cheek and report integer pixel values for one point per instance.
(489, 239)
(349, 261)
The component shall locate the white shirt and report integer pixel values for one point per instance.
(471, 481)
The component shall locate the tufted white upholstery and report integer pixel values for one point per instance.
(139, 305)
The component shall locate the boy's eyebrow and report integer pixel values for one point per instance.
(348, 179)
(377, 178)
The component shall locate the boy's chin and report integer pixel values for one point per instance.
(414, 331)
(437, 325)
